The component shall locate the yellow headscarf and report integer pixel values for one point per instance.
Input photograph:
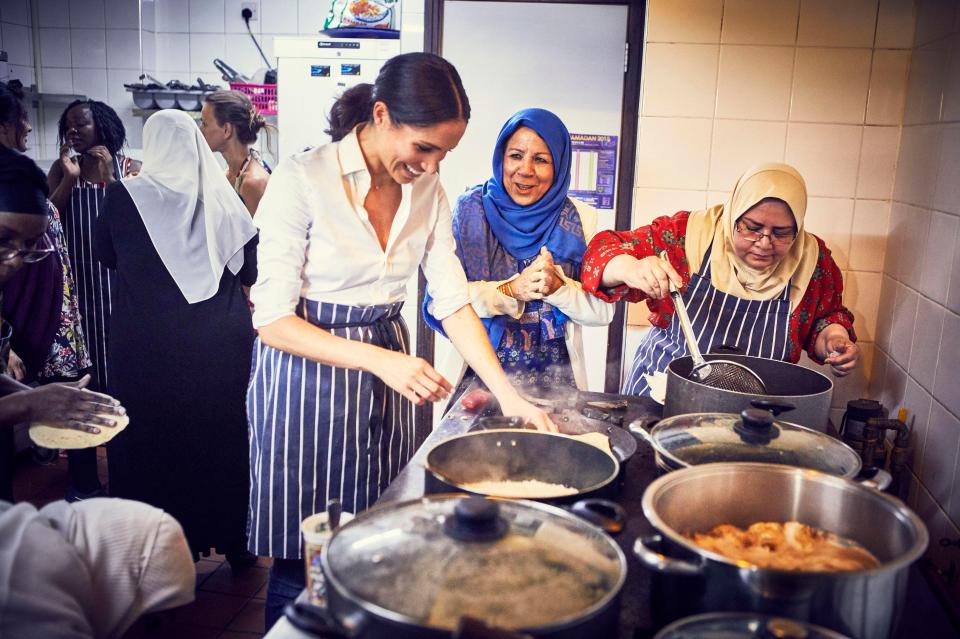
(714, 228)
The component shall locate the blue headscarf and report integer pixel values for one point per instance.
(520, 231)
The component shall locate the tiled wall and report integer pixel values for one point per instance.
(818, 84)
(93, 47)
(917, 360)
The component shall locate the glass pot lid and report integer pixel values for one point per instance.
(736, 625)
(511, 564)
(752, 436)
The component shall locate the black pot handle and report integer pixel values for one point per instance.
(607, 515)
(773, 405)
(313, 621)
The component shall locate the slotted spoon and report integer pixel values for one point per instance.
(719, 373)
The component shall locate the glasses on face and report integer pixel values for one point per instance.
(780, 237)
(29, 255)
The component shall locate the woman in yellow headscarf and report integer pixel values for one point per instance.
(751, 277)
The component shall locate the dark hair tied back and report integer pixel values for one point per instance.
(419, 89)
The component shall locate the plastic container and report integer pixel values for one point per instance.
(263, 96)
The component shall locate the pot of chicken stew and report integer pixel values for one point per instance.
(782, 541)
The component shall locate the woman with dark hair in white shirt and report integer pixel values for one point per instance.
(343, 227)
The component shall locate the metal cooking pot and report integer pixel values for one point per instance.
(806, 390)
(752, 436)
(519, 454)
(689, 579)
(413, 569)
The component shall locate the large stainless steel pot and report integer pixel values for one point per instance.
(806, 390)
(864, 604)
(404, 570)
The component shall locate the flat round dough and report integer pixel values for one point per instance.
(71, 438)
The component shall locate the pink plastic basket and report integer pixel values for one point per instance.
(263, 96)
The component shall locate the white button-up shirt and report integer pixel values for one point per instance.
(317, 242)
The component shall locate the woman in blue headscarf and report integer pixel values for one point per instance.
(521, 241)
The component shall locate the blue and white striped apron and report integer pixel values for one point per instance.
(760, 328)
(93, 280)
(320, 432)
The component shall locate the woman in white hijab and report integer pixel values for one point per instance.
(182, 245)
(90, 569)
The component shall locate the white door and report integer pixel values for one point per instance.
(567, 58)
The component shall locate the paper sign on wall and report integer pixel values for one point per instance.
(593, 168)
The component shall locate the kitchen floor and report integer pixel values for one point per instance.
(227, 606)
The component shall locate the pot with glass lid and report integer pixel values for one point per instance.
(754, 435)
(417, 568)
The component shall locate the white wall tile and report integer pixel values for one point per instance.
(917, 165)
(868, 238)
(878, 375)
(310, 15)
(204, 47)
(148, 15)
(894, 384)
(826, 23)
(830, 85)
(935, 19)
(925, 346)
(918, 402)
(173, 52)
(18, 43)
(937, 257)
(55, 47)
(754, 82)
(207, 16)
(680, 79)
(912, 247)
(91, 83)
(948, 365)
(87, 14)
(925, 83)
(940, 455)
(233, 20)
(827, 155)
(878, 161)
(119, 98)
(89, 48)
(739, 144)
(775, 23)
(123, 49)
(950, 111)
(904, 322)
(16, 11)
(861, 294)
(888, 85)
(651, 203)
(149, 44)
(57, 81)
(173, 16)
(684, 20)
(953, 294)
(947, 194)
(895, 24)
(832, 220)
(122, 14)
(673, 152)
(53, 13)
(241, 54)
(279, 16)
(901, 216)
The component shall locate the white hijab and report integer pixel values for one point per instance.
(196, 221)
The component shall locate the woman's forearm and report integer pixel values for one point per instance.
(14, 408)
(297, 336)
(470, 339)
(615, 273)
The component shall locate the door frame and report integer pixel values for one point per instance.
(626, 167)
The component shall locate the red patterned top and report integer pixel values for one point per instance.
(821, 305)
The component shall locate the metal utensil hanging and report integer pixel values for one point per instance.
(717, 373)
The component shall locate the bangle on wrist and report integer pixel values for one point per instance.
(506, 289)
